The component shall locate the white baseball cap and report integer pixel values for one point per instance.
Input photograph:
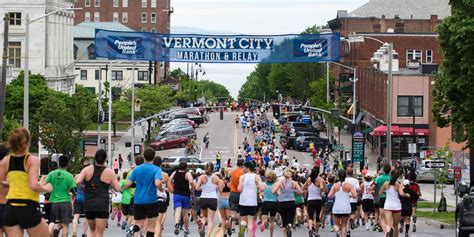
(199, 171)
(406, 182)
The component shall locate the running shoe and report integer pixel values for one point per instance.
(349, 233)
(176, 229)
(262, 226)
(74, 235)
(331, 229)
(202, 232)
(414, 227)
(124, 225)
(401, 228)
(288, 231)
(367, 226)
(352, 224)
(187, 232)
(241, 231)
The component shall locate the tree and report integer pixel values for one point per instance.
(453, 98)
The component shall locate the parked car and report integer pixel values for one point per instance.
(464, 216)
(427, 174)
(171, 141)
(300, 127)
(170, 164)
(197, 119)
(179, 121)
(174, 127)
(290, 140)
(187, 132)
(302, 143)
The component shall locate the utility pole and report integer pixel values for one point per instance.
(389, 103)
(3, 83)
(150, 69)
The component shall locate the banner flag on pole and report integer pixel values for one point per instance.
(197, 48)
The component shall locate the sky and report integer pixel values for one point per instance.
(262, 17)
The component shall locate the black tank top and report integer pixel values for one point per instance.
(96, 192)
(226, 188)
(181, 185)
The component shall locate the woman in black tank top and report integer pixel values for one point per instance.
(98, 179)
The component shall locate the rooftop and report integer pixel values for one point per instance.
(405, 9)
(86, 30)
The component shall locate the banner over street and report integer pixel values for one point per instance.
(217, 48)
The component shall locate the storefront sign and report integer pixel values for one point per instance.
(217, 48)
(358, 148)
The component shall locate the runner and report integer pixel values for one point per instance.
(20, 170)
(315, 187)
(79, 208)
(224, 193)
(208, 184)
(147, 178)
(355, 184)
(379, 182)
(98, 179)
(407, 207)
(3, 190)
(330, 203)
(249, 183)
(367, 201)
(270, 203)
(285, 188)
(126, 202)
(299, 202)
(416, 189)
(234, 197)
(181, 184)
(62, 182)
(393, 206)
(163, 198)
(117, 205)
(342, 192)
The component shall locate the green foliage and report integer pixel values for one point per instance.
(453, 97)
(8, 125)
(204, 87)
(76, 165)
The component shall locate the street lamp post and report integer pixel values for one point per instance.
(389, 103)
(132, 140)
(26, 77)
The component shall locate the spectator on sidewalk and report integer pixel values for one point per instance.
(120, 160)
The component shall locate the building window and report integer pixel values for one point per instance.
(406, 105)
(153, 30)
(414, 55)
(83, 75)
(96, 16)
(96, 3)
(97, 75)
(153, 17)
(125, 3)
(124, 17)
(144, 3)
(14, 54)
(91, 51)
(153, 4)
(144, 17)
(15, 18)
(117, 75)
(143, 29)
(87, 17)
(116, 3)
(143, 75)
(429, 56)
(91, 89)
(115, 17)
(75, 51)
(87, 3)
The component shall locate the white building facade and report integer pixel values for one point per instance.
(50, 40)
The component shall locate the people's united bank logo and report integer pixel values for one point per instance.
(127, 45)
(310, 48)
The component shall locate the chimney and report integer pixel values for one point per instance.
(433, 23)
(383, 24)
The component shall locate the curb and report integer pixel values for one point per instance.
(438, 224)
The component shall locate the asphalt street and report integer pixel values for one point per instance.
(226, 138)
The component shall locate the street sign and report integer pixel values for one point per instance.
(457, 174)
(358, 147)
(435, 164)
(412, 148)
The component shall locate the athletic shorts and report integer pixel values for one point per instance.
(62, 212)
(328, 207)
(127, 209)
(381, 203)
(208, 203)
(24, 213)
(248, 210)
(299, 205)
(341, 215)
(353, 207)
(143, 211)
(314, 209)
(368, 206)
(91, 215)
(181, 201)
(2, 213)
(224, 203)
(162, 207)
(269, 208)
(407, 212)
(234, 200)
(79, 208)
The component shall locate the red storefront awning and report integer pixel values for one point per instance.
(382, 131)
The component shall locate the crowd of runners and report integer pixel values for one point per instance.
(261, 190)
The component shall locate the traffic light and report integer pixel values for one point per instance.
(106, 115)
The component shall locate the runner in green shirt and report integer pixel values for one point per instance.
(299, 202)
(377, 185)
(60, 199)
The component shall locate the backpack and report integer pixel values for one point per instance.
(467, 216)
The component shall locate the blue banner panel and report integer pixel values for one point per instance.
(217, 48)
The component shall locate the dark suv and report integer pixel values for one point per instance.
(465, 216)
(302, 143)
(300, 127)
(290, 140)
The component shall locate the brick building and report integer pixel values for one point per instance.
(140, 15)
